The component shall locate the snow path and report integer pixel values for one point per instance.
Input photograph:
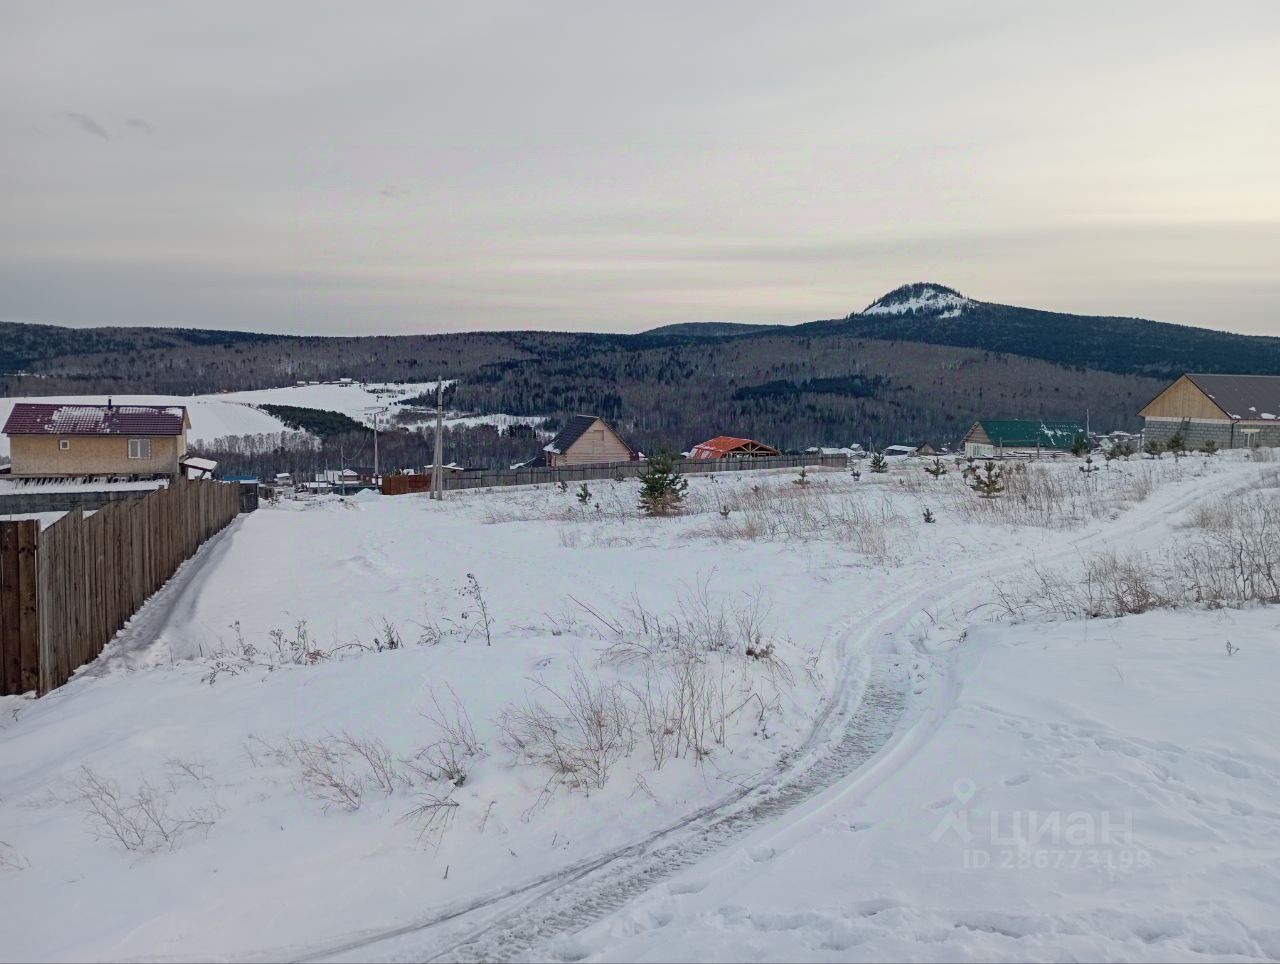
(856, 744)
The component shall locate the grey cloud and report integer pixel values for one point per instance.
(140, 125)
(87, 124)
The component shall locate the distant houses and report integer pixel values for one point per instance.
(728, 447)
(1233, 411)
(995, 438)
(80, 439)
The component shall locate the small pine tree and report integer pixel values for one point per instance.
(562, 485)
(928, 515)
(1079, 446)
(802, 478)
(989, 482)
(856, 473)
(878, 463)
(936, 469)
(1176, 446)
(1153, 448)
(662, 487)
(584, 494)
(1209, 448)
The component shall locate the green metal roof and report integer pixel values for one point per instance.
(1028, 433)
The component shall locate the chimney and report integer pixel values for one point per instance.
(108, 403)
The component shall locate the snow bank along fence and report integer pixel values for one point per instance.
(399, 485)
(65, 591)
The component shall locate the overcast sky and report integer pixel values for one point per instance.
(368, 168)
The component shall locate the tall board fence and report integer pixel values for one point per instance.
(485, 478)
(67, 590)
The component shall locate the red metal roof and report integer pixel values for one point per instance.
(76, 419)
(723, 445)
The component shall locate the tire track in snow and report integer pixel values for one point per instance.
(856, 725)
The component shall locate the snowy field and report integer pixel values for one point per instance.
(816, 727)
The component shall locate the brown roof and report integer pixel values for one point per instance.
(723, 445)
(76, 419)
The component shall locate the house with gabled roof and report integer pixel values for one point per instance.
(80, 439)
(729, 447)
(585, 440)
(1233, 411)
(999, 437)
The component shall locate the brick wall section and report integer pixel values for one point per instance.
(1196, 433)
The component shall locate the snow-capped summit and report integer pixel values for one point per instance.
(921, 298)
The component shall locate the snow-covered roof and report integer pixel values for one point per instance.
(77, 419)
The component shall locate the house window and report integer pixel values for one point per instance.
(64, 443)
(139, 448)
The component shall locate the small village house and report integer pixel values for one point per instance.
(79, 439)
(585, 440)
(728, 447)
(1234, 411)
(996, 438)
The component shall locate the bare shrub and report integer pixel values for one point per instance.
(433, 815)
(286, 648)
(381, 768)
(477, 613)
(578, 735)
(137, 820)
(1234, 560)
(327, 774)
(449, 756)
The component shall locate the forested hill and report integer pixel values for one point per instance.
(921, 362)
(1107, 343)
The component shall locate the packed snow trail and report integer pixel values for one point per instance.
(860, 722)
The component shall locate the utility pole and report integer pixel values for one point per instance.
(437, 467)
(376, 414)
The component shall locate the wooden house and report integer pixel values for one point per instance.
(78, 439)
(1234, 411)
(996, 438)
(728, 447)
(585, 440)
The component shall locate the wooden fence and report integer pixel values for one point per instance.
(67, 590)
(485, 478)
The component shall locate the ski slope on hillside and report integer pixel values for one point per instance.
(893, 701)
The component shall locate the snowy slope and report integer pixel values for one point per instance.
(809, 833)
(357, 401)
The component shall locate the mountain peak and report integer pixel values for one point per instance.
(920, 298)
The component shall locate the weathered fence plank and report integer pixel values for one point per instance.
(67, 590)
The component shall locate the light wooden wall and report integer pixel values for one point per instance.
(1182, 399)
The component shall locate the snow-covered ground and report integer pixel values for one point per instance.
(887, 780)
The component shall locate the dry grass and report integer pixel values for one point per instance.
(1231, 557)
